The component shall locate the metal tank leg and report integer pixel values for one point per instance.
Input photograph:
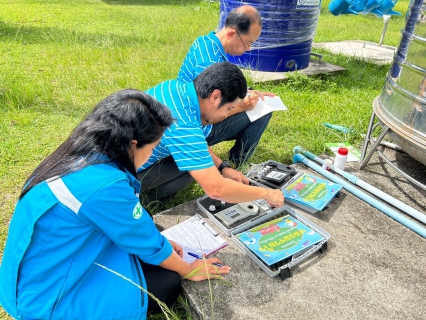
(368, 139)
(362, 165)
(365, 158)
(368, 136)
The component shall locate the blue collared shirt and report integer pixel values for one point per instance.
(184, 139)
(205, 51)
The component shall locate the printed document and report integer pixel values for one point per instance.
(196, 236)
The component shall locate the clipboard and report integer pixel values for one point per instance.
(197, 236)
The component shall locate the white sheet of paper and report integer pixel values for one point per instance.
(353, 154)
(265, 106)
(196, 236)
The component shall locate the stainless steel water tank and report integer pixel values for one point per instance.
(402, 103)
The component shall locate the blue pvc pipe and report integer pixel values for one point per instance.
(361, 183)
(312, 156)
(363, 196)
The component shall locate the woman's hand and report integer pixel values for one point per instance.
(203, 269)
(177, 248)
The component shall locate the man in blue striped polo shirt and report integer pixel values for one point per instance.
(242, 27)
(183, 153)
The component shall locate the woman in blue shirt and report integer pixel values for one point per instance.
(79, 214)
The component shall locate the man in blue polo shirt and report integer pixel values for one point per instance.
(242, 27)
(183, 152)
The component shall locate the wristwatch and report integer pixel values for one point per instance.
(224, 164)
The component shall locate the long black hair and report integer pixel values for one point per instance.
(107, 130)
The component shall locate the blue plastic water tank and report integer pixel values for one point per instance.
(288, 29)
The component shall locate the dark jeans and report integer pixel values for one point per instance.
(245, 133)
(164, 284)
(163, 179)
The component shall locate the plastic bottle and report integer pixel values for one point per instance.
(341, 157)
(327, 164)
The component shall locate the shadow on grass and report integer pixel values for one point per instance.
(358, 74)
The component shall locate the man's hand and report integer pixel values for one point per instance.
(234, 175)
(246, 104)
(275, 198)
(227, 189)
(252, 98)
(262, 95)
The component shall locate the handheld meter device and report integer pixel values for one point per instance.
(272, 174)
(237, 212)
(227, 216)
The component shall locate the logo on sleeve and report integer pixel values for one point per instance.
(137, 211)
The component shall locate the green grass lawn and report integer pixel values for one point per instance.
(58, 58)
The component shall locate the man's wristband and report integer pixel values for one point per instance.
(223, 165)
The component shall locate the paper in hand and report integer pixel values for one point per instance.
(265, 106)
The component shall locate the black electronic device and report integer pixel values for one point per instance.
(229, 216)
(272, 174)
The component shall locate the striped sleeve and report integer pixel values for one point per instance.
(188, 147)
(203, 53)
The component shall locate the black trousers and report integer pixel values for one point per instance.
(164, 284)
(162, 180)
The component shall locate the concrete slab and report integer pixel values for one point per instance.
(374, 267)
(370, 51)
(315, 67)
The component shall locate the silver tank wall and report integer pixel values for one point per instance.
(402, 103)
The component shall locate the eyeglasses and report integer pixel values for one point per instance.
(244, 44)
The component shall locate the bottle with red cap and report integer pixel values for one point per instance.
(341, 157)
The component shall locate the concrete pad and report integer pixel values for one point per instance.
(370, 51)
(315, 67)
(374, 268)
